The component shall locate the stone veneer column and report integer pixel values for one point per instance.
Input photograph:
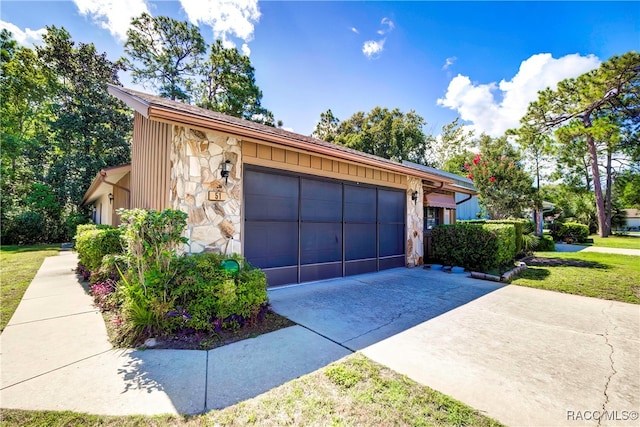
(415, 223)
(196, 157)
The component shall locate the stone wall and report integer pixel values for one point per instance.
(195, 158)
(415, 223)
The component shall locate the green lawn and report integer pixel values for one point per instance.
(18, 266)
(352, 391)
(626, 242)
(606, 276)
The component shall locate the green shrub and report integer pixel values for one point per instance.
(24, 228)
(546, 244)
(529, 243)
(572, 230)
(94, 243)
(522, 226)
(209, 294)
(474, 246)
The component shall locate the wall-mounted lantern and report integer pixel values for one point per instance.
(226, 170)
(414, 197)
(110, 198)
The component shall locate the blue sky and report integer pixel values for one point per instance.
(483, 61)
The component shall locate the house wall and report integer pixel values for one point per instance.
(120, 198)
(468, 209)
(196, 157)
(150, 167)
(263, 154)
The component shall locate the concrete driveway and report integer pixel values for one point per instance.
(523, 356)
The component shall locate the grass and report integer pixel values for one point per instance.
(352, 391)
(591, 274)
(625, 242)
(19, 264)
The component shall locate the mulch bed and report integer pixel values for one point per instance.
(534, 261)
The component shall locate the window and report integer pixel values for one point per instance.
(431, 217)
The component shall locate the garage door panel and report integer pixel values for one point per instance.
(359, 241)
(391, 239)
(391, 262)
(360, 267)
(271, 244)
(270, 197)
(391, 206)
(359, 204)
(281, 276)
(321, 200)
(320, 242)
(310, 273)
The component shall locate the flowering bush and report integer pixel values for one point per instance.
(102, 294)
(504, 187)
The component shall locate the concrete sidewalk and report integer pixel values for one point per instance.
(55, 355)
(563, 247)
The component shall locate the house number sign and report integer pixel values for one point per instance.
(217, 196)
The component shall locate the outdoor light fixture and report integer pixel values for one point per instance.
(414, 197)
(226, 169)
(110, 198)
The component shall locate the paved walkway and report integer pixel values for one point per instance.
(561, 247)
(55, 355)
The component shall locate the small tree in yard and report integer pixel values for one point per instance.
(505, 189)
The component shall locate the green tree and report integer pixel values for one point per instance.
(627, 189)
(327, 128)
(165, 52)
(25, 106)
(90, 129)
(452, 146)
(391, 134)
(597, 108)
(228, 85)
(505, 188)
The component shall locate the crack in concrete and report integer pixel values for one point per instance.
(613, 369)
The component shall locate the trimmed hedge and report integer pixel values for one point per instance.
(546, 244)
(572, 230)
(94, 242)
(480, 247)
(522, 226)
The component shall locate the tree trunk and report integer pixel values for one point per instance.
(607, 200)
(597, 187)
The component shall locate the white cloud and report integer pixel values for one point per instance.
(449, 62)
(373, 48)
(27, 38)
(246, 51)
(355, 30)
(112, 15)
(226, 17)
(389, 24)
(476, 103)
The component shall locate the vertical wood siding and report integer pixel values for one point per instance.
(150, 166)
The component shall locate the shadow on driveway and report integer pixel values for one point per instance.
(358, 311)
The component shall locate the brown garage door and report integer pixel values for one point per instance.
(300, 228)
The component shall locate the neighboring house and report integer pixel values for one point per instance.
(632, 219)
(297, 207)
(108, 192)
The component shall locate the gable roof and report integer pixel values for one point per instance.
(165, 110)
(103, 181)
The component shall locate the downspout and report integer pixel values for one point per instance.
(433, 189)
(464, 200)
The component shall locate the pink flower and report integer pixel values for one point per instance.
(492, 179)
(470, 176)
